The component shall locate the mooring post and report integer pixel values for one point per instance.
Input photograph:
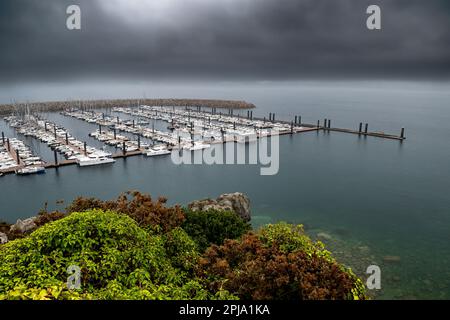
(251, 115)
(45, 126)
(366, 128)
(360, 127)
(117, 119)
(248, 114)
(124, 148)
(3, 137)
(295, 120)
(402, 134)
(300, 120)
(231, 112)
(67, 138)
(7, 142)
(318, 123)
(273, 117)
(329, 123)
(55, 155)
(115, 133)
(234, 125)
(103, 115)
(325, 123)
(139, 142)
(264, 120)
(292, 127)
(85, 148)
(17, 156)
(54, 130)
(133, 123)
(100, 128)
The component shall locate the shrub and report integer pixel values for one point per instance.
(277, 264)
(213, 227)
(181, 249)
(105, 245)
(152, 215)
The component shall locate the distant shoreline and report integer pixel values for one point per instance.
(94, 104)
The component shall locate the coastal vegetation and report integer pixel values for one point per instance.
(135, 247)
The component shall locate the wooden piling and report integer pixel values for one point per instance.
(55, 155)
(360, 127)
(17, 157)
(3, 137)
(85, 148)
(124, 148)
(366, 128)
(402, 134)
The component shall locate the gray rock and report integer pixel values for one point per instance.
(23, 226)
(391, 259)
(3, 238)
(324, 236)
(236, 202)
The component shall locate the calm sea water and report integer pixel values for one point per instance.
(391, 197)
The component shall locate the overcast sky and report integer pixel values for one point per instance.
(223, 40)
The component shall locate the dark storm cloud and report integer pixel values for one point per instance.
(230, 39)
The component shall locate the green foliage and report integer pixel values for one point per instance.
(213, 227)
(290, 238)
(105, 245)
(181, 249)
(140, 249)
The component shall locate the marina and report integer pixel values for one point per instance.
(186, 129)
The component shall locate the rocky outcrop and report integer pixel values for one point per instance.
(236, 202)
(23, 226)
(3, 238)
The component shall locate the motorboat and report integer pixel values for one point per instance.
(30, 170)
(157, 150)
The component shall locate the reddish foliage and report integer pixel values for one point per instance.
(251, 270)
(140, 207)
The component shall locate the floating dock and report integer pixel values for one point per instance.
(220, 127)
